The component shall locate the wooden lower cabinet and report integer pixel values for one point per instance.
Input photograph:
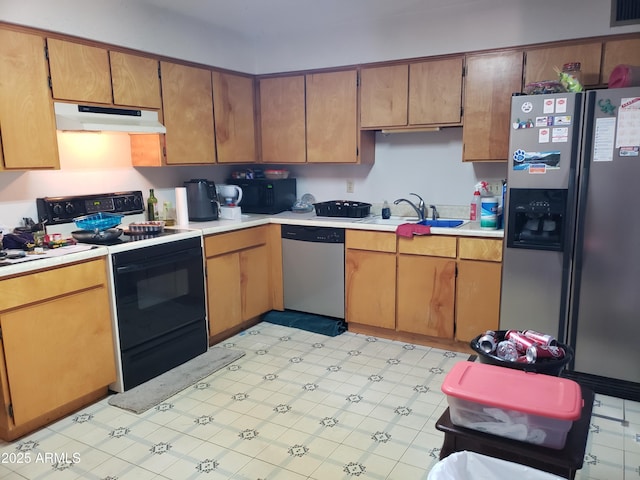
(477, 298)
(238, 278)
(57, 345)
(439, 290)
(426, 295)
(370, 271)
(478, 286)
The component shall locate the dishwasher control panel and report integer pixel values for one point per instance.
(313, 234)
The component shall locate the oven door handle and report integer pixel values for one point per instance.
(177, 257)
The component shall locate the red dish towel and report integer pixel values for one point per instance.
(410, 229)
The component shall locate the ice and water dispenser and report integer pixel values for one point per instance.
(537, 218)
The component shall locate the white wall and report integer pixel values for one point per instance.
(428, 28)
(460, 26)
(128, 24)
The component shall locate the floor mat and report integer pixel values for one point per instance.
(307, 321)
(153, 392)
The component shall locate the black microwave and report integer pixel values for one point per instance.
(261, 195)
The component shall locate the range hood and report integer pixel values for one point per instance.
(86, 118)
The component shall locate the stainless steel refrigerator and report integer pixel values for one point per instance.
(571, 264)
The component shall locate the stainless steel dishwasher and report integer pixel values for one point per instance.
(313, 269)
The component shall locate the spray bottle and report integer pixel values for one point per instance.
(474, 210)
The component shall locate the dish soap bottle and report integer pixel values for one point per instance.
(152, 207)
(386, 211)
(474, 210)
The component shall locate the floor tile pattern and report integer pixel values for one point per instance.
(297, 406)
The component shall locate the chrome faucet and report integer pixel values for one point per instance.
(420, 209)
(434, 212)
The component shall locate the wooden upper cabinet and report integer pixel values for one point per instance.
(234, 102)
(541, 63)
(282, 119)
(79, 72)
(384, 96)
(619, 52)
(187, 102)
(332, 117)
(435, 92)
(135, 80)
(27, 121)
(489, 82)
(421, 93)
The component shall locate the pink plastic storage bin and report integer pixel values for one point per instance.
(529, 407)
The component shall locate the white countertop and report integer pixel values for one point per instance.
(56, 257)
(311, 219)
(75, 253)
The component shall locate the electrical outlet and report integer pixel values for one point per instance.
(495, 187)
(349, 186)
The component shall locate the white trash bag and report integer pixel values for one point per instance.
(473, 466)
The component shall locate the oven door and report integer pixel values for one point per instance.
(160, 308)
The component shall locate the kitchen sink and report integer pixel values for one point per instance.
(396, 220)
(442, 223)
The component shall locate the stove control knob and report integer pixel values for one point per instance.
(127, 203)
(137, 202)
(118, 203)
(57, 209)
(69, 208)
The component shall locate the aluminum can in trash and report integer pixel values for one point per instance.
(507, 350)
(522, 342)
(488, 341)
(536, 352)
(541, 338)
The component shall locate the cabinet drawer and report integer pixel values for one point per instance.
(437, 246)
(480, 249)
(234, 241)
(40, 286)
(375, 241)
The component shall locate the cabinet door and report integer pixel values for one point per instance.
(27, 121)
(233, 102)
(619, 52)
(254, 281)
(332, 132)
(223, 292)
(135, 80)
(57, 351)
(477, 298)
(384, 96)
(371, 288)
(489, 82)
(426, 295)
(79, 72)
(542, 62)
(282, 119)
(187, 102)
(435, 92)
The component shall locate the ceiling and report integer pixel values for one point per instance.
(255, 19)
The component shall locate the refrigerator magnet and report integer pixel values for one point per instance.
(560, 135)
(629, 151)
(549, 103)
(543, 135)
(562, 120)
(561, 105)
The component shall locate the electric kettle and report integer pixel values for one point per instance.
(202, 200)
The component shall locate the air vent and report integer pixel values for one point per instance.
(625, 12)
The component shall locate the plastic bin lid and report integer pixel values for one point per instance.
(527, 392)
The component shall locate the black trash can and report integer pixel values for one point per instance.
(547, 366)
